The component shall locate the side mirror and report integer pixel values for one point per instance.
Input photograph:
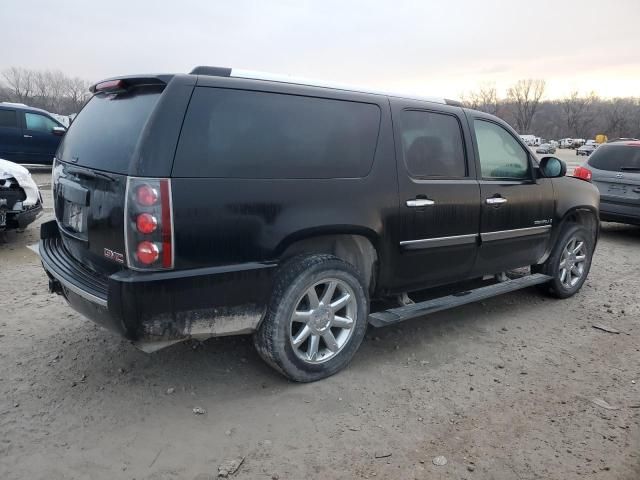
(552, 167)
(59, 131)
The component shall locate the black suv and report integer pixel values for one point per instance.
(223, 202)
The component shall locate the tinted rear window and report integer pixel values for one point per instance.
(105, 133)
(432, 144)
(8, 119)
(247, 134)
(616, 157)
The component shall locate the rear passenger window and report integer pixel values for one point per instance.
(247, 134)
(432, 145)
(8, 119)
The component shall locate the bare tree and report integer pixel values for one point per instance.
(485, 99)
(41, 89)
(579, 113)
(20, 82)
(525, 96)
(50, 90)
(57, 88)
(77, 92)
(620, 117)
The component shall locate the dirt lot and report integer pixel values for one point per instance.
(503, 389)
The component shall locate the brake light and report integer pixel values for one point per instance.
(147, 252)
(149, 223)
(109, 86)
(146, 195)
(146, 223)
(583, 173)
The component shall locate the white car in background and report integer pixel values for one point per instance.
(20, 199)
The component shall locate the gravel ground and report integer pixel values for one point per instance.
(510, 388)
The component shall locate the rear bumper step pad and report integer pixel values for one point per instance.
(395, 315)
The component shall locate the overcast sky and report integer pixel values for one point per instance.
(440, 48)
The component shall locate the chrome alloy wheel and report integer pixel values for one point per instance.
(572, 263)
(323, 321)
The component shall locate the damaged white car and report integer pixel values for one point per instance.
(20, 199)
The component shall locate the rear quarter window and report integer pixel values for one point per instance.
(8, 119)
(249, 134)
(616, 158)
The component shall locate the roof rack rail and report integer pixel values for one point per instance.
(453, 103)
(271, 77)
(211, 71)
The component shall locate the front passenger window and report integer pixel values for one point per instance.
(39, 122)
(501, 156)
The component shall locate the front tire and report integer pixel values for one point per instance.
(316, 319)
(569, 262)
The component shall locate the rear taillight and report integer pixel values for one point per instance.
(146, 223)
(146, 195)
(583, 173)
(147, 252)
(149, 223)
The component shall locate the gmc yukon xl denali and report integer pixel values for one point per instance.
(228, 202)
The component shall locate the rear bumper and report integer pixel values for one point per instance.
(156, 309)
(611, 211)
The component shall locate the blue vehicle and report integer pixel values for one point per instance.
(28, 135)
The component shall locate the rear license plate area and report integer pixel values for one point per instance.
(74, 217)
(617, 190)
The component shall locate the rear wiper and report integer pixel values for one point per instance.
(630, 169)
(89, 174)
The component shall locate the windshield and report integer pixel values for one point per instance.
(616, 157)
(105, 133)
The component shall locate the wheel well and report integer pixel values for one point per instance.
(354, 249)
(586, 218)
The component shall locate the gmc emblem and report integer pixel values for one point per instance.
(115, 256)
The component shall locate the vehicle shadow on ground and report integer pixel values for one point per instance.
(229, 367)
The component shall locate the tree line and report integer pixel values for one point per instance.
(524, 106)
(576, 116)
(51, 90)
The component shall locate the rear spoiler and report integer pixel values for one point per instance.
(119, 84)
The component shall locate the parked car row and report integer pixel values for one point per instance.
(546, 148)
(585, 150)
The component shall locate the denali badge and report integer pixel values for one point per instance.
(546, 221)
(115, 256)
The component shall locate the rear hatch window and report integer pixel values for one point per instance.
(105, 133)
(616, 158)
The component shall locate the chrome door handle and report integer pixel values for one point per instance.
(27, 136)
(420, 202)
(495, 200)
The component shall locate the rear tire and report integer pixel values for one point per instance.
(569, 262)
(316, 319)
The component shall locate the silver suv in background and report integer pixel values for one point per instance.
(615, 169)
